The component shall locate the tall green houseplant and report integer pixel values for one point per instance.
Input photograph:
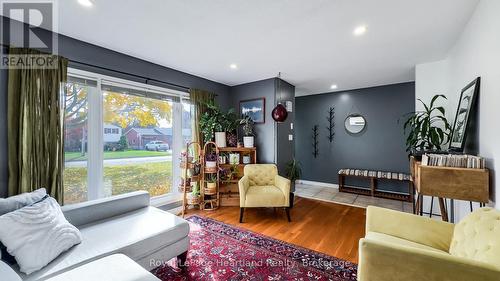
(293, 173)
(428, 129)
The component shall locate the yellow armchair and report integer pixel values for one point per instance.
(261, 186)
(401, 246)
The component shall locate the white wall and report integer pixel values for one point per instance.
(431, 79)
(476, 53)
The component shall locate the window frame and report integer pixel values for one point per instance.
(95, 137)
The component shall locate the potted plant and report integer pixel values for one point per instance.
(194, 197)
(427, 130)
(188, 185)
(231, 128)
(211, 187)
(210, 124)
(293, 173)
(234, 158)
(248, 138)
(214, 122)
(184, 154)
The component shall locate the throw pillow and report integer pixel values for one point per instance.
(36, 234)
(18, 201)
(13, 203)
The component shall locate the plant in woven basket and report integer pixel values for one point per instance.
(428, 129)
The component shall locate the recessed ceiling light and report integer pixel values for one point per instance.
(233, 66)
(333, 87)
(360, 30)
(86, 3)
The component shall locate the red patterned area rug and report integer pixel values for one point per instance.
(222, 252)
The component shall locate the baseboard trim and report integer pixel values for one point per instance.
(317, 183)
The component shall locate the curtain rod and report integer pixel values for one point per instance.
(131, 74)
(121, 72)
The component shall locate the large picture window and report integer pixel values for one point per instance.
(120, 136)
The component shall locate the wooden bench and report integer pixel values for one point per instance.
(374, 176)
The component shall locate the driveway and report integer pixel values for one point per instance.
(122, 161)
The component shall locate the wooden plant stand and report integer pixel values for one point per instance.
(186, 165)
(210, 199)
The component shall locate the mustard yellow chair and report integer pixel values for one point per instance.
(261, 186)
(400, 246)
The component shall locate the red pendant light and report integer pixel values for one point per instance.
(279, 113)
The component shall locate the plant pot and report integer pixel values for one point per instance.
(220, 139)
(210, 164)
(187, 181)
(234, 158)
(248, 142)
(193, 199)
(211, 188)
(188, 189)
(247, 159)
(222, 159)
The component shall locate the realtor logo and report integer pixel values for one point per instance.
(39, 17)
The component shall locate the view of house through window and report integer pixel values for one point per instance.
(135, 145)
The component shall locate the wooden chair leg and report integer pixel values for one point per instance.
(287, 210)
(420, 204)
(241, 214)
(444, 213)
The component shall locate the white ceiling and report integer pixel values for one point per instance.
(309, 41)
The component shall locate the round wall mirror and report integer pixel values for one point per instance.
(355, 124)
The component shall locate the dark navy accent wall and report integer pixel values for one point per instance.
(284, 146)
(264, 133)
(380, 147)
(271, 138)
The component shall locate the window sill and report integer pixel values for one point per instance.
(166, 199)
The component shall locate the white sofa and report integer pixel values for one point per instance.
(124, 224)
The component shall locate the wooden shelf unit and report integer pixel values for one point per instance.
(229, 190)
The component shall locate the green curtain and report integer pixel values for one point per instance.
(35, 127)
(199, 98)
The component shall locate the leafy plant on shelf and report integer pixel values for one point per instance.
(209, 121)
(215, 120)
(247, 126)
(228, 174)
(231, 123)
(196, 190)
(211, 178)
(428, 129)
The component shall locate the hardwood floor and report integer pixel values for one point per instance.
(329, 228)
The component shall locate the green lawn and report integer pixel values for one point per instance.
(153, 177)
(77, 156)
